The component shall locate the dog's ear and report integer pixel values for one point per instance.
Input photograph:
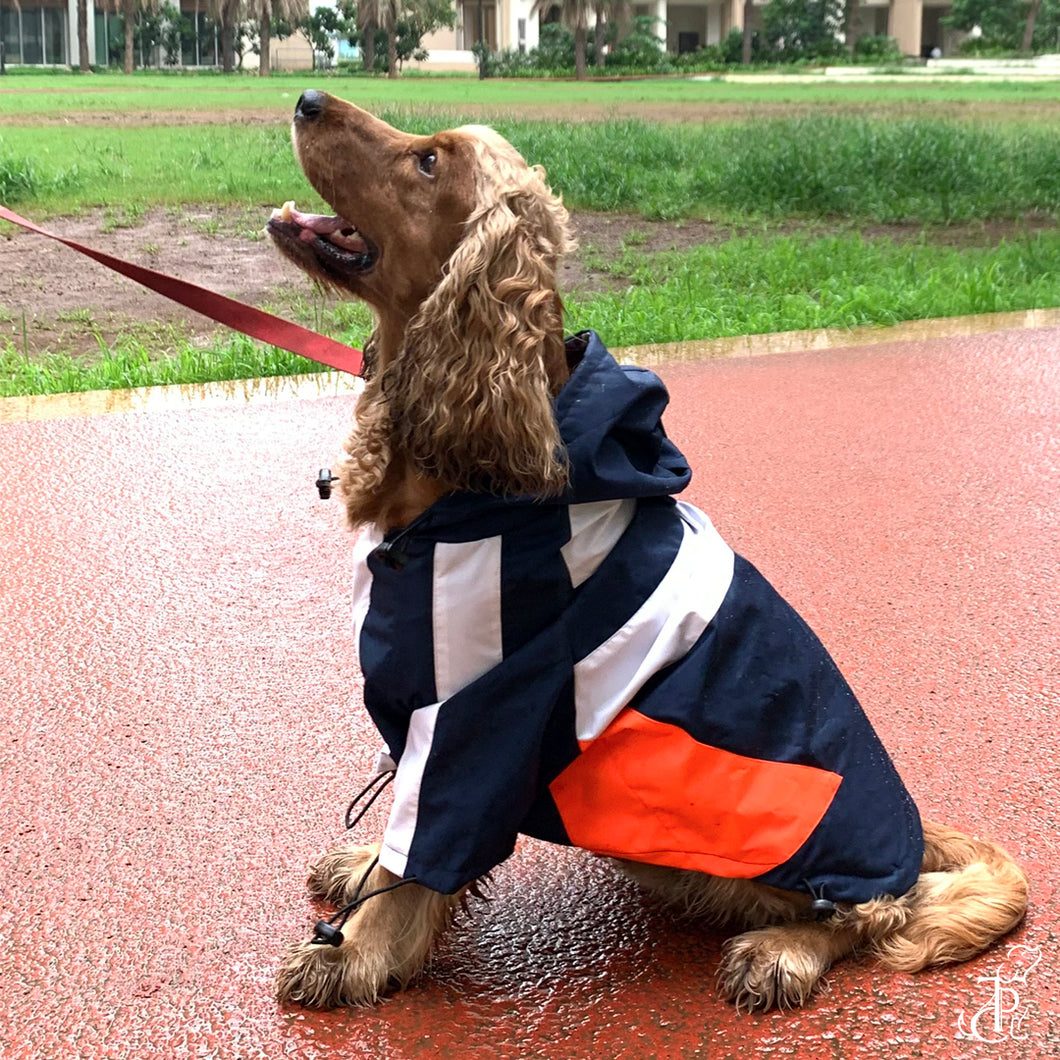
(470, 394)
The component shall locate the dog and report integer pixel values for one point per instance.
(552, 643)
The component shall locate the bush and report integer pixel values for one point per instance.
(877, 48)
(640, 49)
(802, 29)
(555, 48)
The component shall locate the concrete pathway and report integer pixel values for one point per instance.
(181, 722)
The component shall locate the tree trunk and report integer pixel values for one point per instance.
(265, 66)
(852, 26)
(1028, 29)
(82, 36)
(598, 37)
(228, 44)
(391, 52)
(748, 10)
(580, 38)
(129, 7)
(368, 47)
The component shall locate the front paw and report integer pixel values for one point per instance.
(770, 968)
(337, 875)
(322, 976)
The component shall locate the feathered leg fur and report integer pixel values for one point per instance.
(969, 894)
(385, 945)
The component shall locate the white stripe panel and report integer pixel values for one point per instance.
(401, 827)
(466, 608)
(594, 530)
(666, 626)
(466, 618)
(362, 580)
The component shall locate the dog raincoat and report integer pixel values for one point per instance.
(603, 671)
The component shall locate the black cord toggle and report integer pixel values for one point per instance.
(820, 908)
(326, 934)
(390, 555)
(823, 909)
(324, 480)
(329, 932)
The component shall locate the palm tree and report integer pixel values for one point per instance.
(82, 36)
(368, 19)
(852, 26)
(266, 11)
(130, 9)
(748, 34)
(576, 14)
(228, 14)
(608, 13)
(391, 14)
(1028, 29)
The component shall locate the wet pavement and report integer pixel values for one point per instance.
(182, 723)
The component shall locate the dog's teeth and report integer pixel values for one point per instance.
(349, 239)
(284, 213)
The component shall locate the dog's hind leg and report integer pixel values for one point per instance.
(385, 944)
(969, 894)
(779, 964)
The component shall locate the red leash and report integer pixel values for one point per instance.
(250, 321)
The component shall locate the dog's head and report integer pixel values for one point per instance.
(404, 204)
(454, 241)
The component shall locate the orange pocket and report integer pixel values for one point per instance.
(647, 791)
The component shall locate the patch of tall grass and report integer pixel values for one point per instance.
(21, 179)
(761, 284)
(750, 285)
(133, 364)
(820, 166)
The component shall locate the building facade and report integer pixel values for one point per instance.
(44, 32)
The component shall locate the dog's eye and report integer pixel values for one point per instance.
(427, 161)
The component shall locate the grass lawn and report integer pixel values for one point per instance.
(826, 203)
(42, 94)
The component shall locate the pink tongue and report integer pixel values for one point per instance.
(319, 223)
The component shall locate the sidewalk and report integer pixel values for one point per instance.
(182, 723)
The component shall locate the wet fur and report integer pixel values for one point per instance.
(466, 355)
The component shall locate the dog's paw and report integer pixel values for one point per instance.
(321, 976)
(337, 875)
(775, 967)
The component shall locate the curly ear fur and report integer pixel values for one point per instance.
(468, 395)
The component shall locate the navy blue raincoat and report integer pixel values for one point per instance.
(602, 670)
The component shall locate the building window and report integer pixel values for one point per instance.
(480, 23)
(54, 35)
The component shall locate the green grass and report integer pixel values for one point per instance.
(749, 285)
(761, 284)
(837, 168)
(132, 364)
(819, 166)
(154, 92)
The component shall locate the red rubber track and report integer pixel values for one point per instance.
(181, 721)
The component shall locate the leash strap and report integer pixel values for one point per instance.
(250, 321)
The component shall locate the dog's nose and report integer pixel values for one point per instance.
(310, 105)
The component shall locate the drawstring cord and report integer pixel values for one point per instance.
(386, 776)
(329, 932)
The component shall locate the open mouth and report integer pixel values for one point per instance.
(333, 244)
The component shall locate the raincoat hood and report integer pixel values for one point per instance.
(610, 420)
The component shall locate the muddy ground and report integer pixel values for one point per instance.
(694, 111)
(53, 299)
